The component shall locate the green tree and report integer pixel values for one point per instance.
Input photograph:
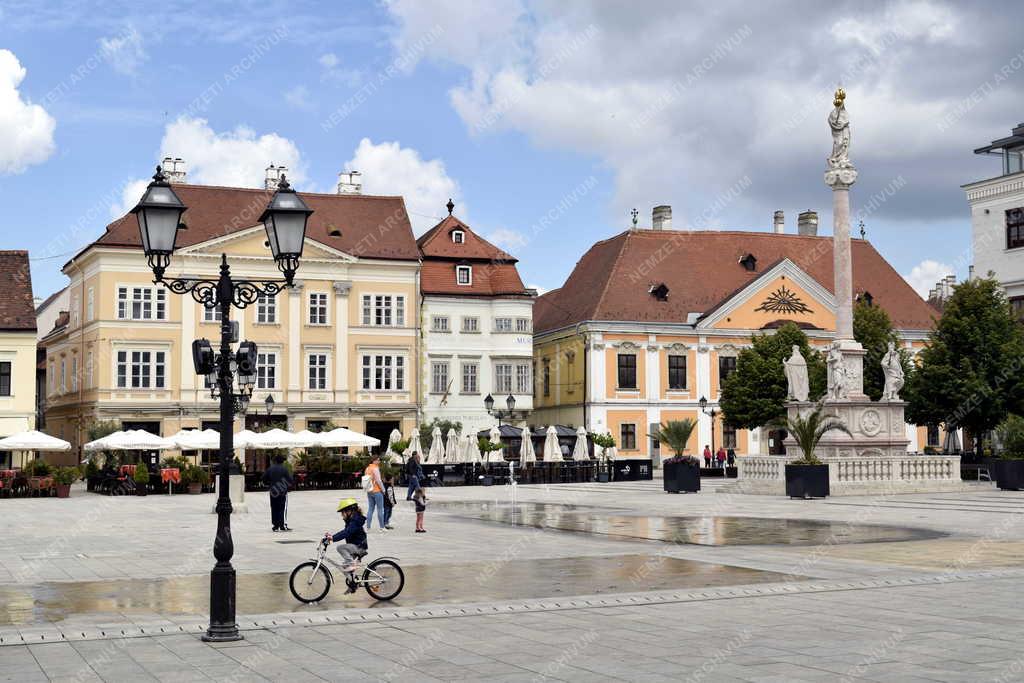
(873, 329)
(808, 429)
(970, 373)
(755, 394)
(675, 434)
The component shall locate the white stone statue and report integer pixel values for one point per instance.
(893, 370)
(836, 373)
(796, 376)
(839, 122)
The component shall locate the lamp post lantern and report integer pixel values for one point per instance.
(703, 403)
(510, 403)
(269, 403)
(159, 215)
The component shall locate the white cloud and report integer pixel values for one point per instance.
(540, 290)
(26, 129)
(507, 239)
(390, 169)
(124, 51)
(299, 98)
(925, 274)
(329, 60)
(334, 72)
(131, 193)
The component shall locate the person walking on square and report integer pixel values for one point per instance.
(278, 479)
(721, 456)
(389, 500)
(730, 457)
(420, 499)
(707, 456)
(374, 487)
(414, 473)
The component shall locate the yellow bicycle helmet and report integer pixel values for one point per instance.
(346, 503)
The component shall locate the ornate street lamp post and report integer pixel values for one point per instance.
(509, 414)
(703, 403)
(159, 214)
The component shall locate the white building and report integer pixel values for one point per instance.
(477, 326)
(997, 218)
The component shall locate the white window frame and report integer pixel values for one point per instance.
(387, 369)
(90, 304)
(322, 369)
(76, 312)
(63, 376)
(439, 376)
(53, 377)
(473, 386)
(211, 314)
(134, 300)
(524, 378)
(383, 310)
(499, 323)
(266, 360)
(439, 323)
(151, 380)
(458, 237)
(266, 310)
(524, 325)
(87, 371)
(322, 306)
(499, 377)
(464, 270)
(470, 329)
(74, 373)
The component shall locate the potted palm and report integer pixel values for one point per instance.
(807, 477)
(681, 472)
(1009, 466)
(607, 443)
(141, 477)
(64, 477)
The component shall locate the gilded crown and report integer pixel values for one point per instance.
(840, 97)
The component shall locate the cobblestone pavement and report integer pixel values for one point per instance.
(936, 609)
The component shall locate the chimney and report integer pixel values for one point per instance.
(779, 222)
(174, 169)
(661, 217)
(350, 182)
(274, 174)
(807, 223)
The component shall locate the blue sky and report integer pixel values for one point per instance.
(518, 109)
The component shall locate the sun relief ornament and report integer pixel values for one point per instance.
(783, 300)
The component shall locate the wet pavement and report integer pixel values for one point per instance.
(697, 530)
(425, 584)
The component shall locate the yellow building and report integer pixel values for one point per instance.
(652, 320)
(17, 351)
(341, 346)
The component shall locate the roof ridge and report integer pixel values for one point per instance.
(266, 191)
(611, 271)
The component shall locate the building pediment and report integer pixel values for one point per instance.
(252, 243)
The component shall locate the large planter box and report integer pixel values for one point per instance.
(807, 481)
(681, 478)
(63, 490)
(1009, 474)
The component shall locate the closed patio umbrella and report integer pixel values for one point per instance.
(414, 443)
(436, 454)
(472, 449)
(526, 452)
(950, 445)
(579, 451)
(451, 449)
(552, 452)
(494, 437)
(394, 436)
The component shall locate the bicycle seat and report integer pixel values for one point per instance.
(359, 554)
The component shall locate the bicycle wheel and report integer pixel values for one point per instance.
(383, 579)
(308, 583)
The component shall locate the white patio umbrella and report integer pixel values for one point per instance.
(394, 436)
(494, 437)
(414, 443)
(131, 440)
(279, 438)
(436, 454)
(343, 437)
(472, 449)
(526, 452)
(579, 451)
(247, 439)
(552, 453)
(33, 441)
(196, 440)
(451, 449)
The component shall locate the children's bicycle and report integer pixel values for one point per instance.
(383, 579)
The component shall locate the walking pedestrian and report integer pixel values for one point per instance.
(730, 456)
(414, 473)
(707, 456)
(389, 500)
(720, 456)
(278, 479)
(420, 499)
(374, 487)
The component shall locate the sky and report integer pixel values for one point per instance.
(546, 122)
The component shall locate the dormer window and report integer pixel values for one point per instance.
(458, 237)
(749, 262)
(659, 291)
(866, 298)
(464, 275)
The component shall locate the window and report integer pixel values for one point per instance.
(266, 310)
(5, 378)
(524, 385)
(1017, 306)
(503, 378)
(627, 371)
(1014, 228)
(933, 436)
(470, 374)
(471, 324)
(75, 312)
(384, 310)
(439, 323)
(266, 370)
(503, 324)
(211, 314)
(317, 308)
(728, 436)
(87, 379)
(523, 324)
(677, 372)
(458, 237)
(438, 377)
(383, 372)
(726, 366)
(627, 437)
(464, 275)
(141, 303)
(53, 378)
(90, 304)
(141, 369)
(547, 377)
(317, 371)
(63, 376)
(74, 373)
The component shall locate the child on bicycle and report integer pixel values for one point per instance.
(354, 535)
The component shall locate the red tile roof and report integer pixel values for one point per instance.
(494, 270)
(17, 310)
(702, 270)
(369, 226)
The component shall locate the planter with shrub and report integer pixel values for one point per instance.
(807, 477)
(1009, 466)
(195, 478)
(681, 472)
(606, 442)
(64, 477)
(141, 477)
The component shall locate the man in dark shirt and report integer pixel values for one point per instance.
(278, 479)
(414, 473)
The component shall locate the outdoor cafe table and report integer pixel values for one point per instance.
(170, 476)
